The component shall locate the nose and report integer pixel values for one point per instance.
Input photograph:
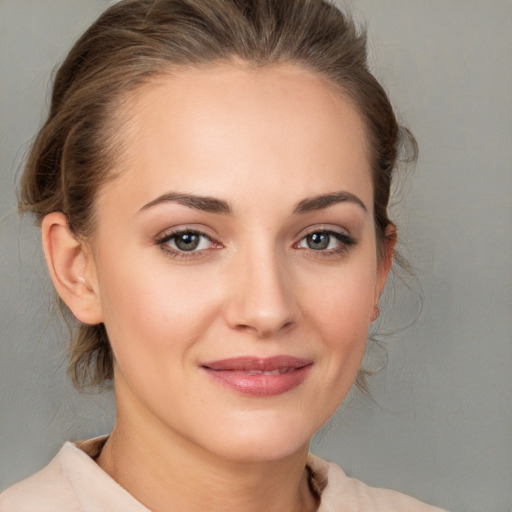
(261, 298)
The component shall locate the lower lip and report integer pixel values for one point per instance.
(260, 385)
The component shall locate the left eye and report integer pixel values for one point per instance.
(188, 241)
(323, 241)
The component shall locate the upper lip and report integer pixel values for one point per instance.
(251, 363)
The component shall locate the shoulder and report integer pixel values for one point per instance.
(340, 492)
(72, 482)
(47, 490)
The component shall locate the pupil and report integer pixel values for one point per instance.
(187, 242)
(318, 241)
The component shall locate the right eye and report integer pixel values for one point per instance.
(185, 243)
(188, 241)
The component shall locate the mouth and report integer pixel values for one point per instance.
(259, 376)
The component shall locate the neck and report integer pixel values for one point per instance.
(165, 471)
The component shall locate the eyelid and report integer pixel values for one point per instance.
(323, 228)
(166, 235)
(197, 229)
(345, 239)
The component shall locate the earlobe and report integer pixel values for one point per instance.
(72, 270)
(375, 313)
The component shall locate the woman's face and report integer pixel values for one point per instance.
(235, 258)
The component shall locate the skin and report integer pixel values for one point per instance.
(262, 141)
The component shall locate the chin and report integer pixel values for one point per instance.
(262, 439)
(262, 449)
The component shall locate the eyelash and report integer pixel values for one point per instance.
(163, 240)
(345, 243)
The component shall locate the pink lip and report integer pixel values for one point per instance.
(251, 375)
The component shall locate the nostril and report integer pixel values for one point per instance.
(271, 330)
(287, 325)
(259, 303)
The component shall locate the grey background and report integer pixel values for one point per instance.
(440, 428)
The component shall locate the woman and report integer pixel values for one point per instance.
(212, 187)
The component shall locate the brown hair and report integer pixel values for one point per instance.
(135, 40)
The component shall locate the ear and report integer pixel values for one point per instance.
(72, 268)
(386, 255)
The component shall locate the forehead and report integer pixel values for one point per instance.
(220, 129)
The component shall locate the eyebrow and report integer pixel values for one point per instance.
(213, 205)
(205, 204)
(324, 201)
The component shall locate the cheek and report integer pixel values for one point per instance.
(342, 301)
(344, 323)
(340, 310)
(156, 310)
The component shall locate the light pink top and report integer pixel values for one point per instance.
(73, 482)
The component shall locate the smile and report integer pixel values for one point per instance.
(280, 371)
(260, 377)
